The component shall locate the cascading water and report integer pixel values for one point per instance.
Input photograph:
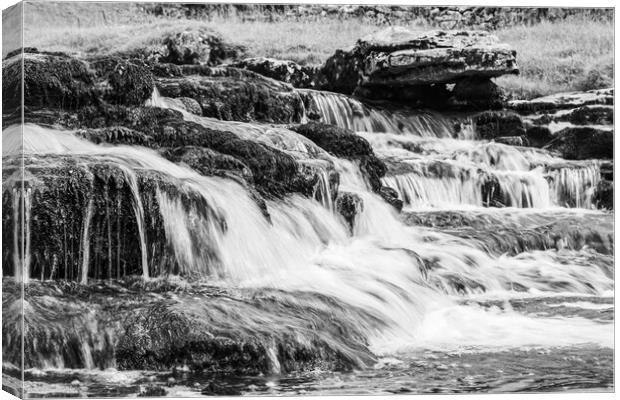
(403, 288)
(346, 112)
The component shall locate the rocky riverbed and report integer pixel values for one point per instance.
(190, 221)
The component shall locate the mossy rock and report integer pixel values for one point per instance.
(50, 81)
(128, 81)
(346, 144)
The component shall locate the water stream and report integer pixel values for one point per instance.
(429, 302)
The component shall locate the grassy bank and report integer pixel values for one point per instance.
(573, 54)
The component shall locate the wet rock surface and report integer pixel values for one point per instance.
(236, 95)
(346, 144)
(162, 326)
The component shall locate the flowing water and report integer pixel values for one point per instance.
(438, 309)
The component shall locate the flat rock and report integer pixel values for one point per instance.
(406, 66)
(563, 101)
(398, 56)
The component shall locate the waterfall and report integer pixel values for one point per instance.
(349, 113)
(86, 242)
(138, 209)
(574, 186)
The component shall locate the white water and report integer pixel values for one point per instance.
(410, 279)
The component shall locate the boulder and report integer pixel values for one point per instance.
(209, 162)
(345, 143)
(579, 143)
(349, 205)
(59, 81)
(140, 327)
(50, 80)
(199, 46)
(399, 56)
(604, 195)
(402, 65)
(282, 70)
(274, 171)
(123, 81)
(588, 115)
(492, 124)
(391, 197)
(538, 136)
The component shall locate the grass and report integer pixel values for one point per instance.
(574, 54)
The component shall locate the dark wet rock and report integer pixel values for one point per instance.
(477, 93)
(607, 169)
(123, 81)
(341, 72)
(604, 195)
(114, 135)
(215, 389)
(346, 144)
(300, 76)
(200, 46)
(152, 391)
(579, 143)
(209, 162)
(564, 101)
(349, 205)
(391, 197)
(589, 115)
(493, 124)
(335, 140)
(54, 81)
(69, 193)
(274, 171)
(131, 324)
(236, 95)
(538, 136)
(204, 338)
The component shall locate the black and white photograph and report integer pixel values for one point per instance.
(306, 199)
